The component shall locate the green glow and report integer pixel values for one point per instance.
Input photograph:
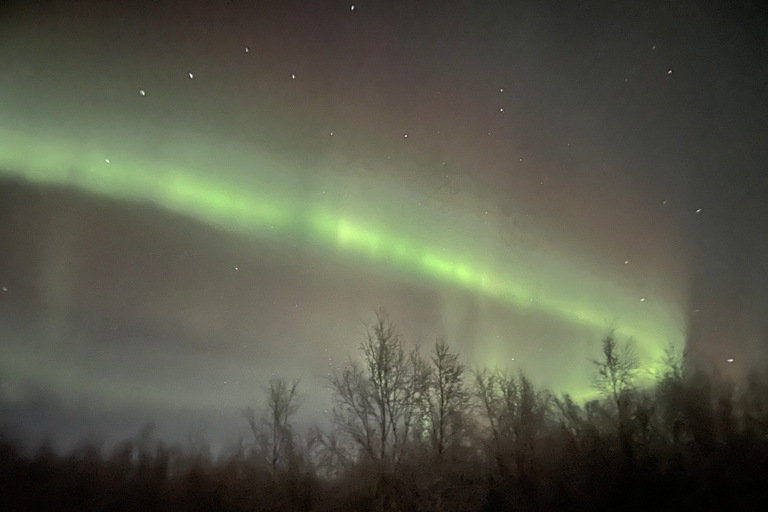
(270, 205)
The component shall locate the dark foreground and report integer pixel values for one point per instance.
(561, 471)
(417, 434)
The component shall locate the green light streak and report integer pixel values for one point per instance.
(276, 210)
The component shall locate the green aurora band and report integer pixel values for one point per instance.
(276, 203)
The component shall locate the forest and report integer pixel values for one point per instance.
(419, 430)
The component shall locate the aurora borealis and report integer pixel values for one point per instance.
(497, 174)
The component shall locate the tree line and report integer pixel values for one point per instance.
(422, 431)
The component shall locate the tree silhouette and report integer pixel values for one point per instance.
(443, 397)
(374, 400)
(614, 379)
(273, 434)
(514, 410)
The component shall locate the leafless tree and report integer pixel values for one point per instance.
(615, 372)
(569, 415)
(670, 396)
(354, 410)
(273, 432)
(488, 391)
(512, 407)
(497, 395)
(328, 454)
(443, 396)
(374, 400)
(614, 379)
(516, 413)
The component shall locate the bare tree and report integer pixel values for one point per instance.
(532, 411)
(443, 396)
(490, 389)
(385, 363)
(354, 412)
(374, 400)
(512, 407)
(615, 373)
(569, 415)
(516, 414)
(327, 452)
(671, 395)
(273, 434)
(614, 379)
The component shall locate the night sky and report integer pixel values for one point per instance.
(198, 195)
